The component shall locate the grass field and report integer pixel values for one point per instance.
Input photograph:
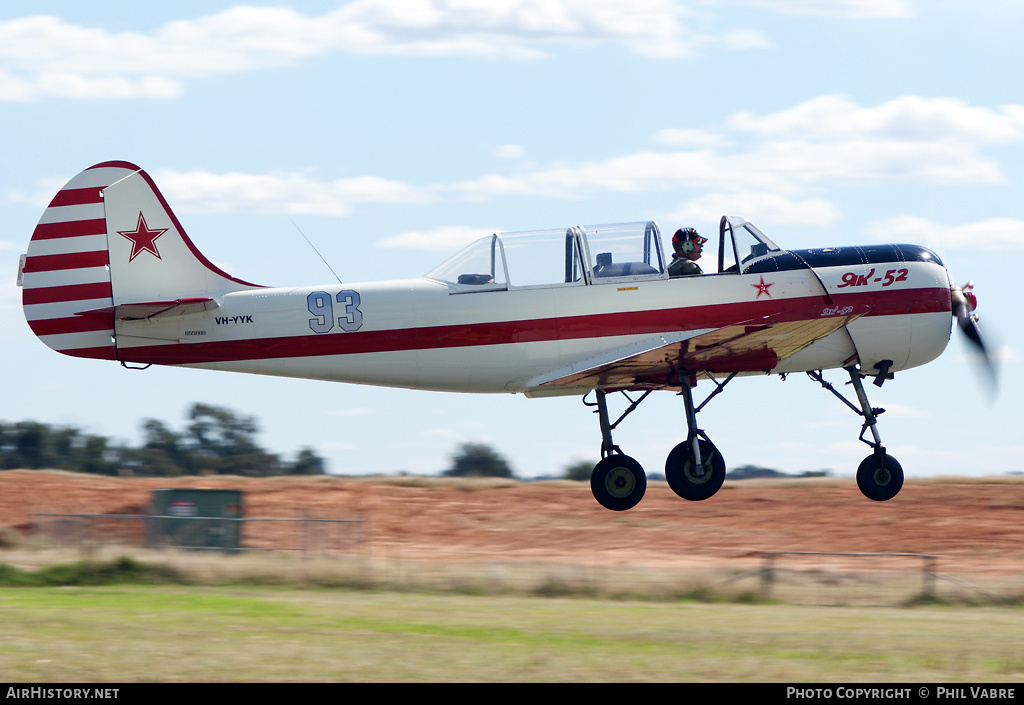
(131, 633)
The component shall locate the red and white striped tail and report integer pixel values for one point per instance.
(66, 269)
(108, 241)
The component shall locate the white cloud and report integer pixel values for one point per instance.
(909, 119)
(989, 234)
(862, 161)
(44, 56)
(766, 165)
(204, 192)
(743, 39)
(446, 239)
(848, 9)
(76, 86)
(827, 140)
(682, 137)
(768, 208)
(783, 166)
(510, 151)
(627, 173)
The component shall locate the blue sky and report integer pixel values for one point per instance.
(392, 133)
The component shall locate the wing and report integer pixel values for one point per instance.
(754, 345)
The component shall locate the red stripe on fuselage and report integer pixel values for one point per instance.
(103, 352)
(535, 330)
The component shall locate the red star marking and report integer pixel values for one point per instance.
(142, 238)
(762, 288)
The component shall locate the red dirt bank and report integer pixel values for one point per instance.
(972, 524)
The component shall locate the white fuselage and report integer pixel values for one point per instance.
(426, 334)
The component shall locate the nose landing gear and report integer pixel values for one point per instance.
(880, 479)
(879, 476)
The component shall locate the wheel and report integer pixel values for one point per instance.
(689, 480)
(879, 481)
(618, 482)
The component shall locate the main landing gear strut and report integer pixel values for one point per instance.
(695, 470)
(879, 476)
(617, 481)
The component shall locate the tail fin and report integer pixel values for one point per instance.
(107, 242)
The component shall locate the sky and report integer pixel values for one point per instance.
(392, 133)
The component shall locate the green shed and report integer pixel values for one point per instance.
(196, 519)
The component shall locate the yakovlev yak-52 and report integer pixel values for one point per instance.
(110, 274)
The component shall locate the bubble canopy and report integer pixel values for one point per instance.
(572, 256)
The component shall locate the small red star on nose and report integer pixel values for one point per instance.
(142, 238)
(762, 288)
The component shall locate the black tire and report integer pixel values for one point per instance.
(618, 482)
(690, 481)
(880, 481)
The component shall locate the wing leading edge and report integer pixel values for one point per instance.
(754, 345)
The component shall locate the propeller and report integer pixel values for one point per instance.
(964, 303)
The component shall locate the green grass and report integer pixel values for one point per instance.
(138, 632)
(125, 620)
(87, 572)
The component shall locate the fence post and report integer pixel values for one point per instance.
(767, 576)
(928, 579)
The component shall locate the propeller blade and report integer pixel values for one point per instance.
(969, 327)
(963, 304)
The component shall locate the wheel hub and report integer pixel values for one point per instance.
(696, 474)
(620, 482)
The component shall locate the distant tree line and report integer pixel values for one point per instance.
(220, 441)
(478, 460)
(216, 441)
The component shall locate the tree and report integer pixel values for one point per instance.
(164, 452)
(478, 460)
(33, 445)
(307, 463)
(579, 471)
(223, 442)
(218, 440)
(29, 444)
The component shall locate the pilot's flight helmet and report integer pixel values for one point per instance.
(684, 239)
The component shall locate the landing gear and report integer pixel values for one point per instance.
(694, 479)
(880, 479)
(695, 469)
(879, 476)
(618, 482)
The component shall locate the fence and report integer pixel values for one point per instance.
(869, 579)
(792, 577)
(306, 534)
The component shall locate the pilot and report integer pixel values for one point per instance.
(687, 244)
